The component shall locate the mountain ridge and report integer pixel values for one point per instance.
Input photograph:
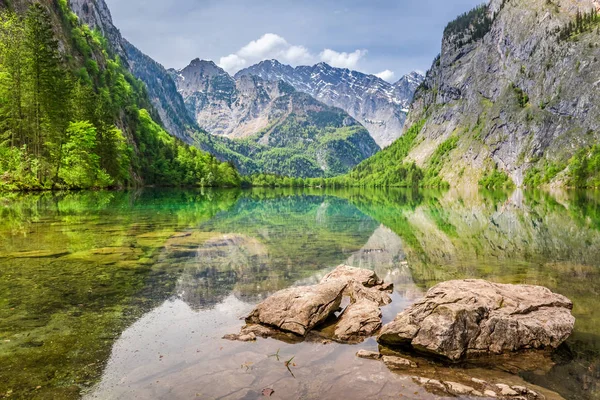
(375, 103)
(269, 119)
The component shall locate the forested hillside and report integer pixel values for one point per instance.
(71, 116)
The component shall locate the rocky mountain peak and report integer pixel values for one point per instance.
(96, 14)
(375, 103)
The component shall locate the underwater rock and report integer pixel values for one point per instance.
(394, 362)
(463, 318)
(369, 355)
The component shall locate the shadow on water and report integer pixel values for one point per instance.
(78, 269)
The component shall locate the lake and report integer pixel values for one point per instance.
(120, 295)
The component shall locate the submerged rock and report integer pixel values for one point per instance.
(470, 317)
(369, 355)
(394, 362)
(477, 388)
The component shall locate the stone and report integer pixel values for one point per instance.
(369, 355)
(460, 389)
(463, 318)
(394, 362)
(299, 309)
(361, 284)
(506, 390)
(359, 320)
(365, 277)
(359, 292)
(490, 393)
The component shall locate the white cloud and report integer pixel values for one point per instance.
(342, 60)
(386, 75)
(272, 46)
(232, 62)
(267, 45)
(297, 55)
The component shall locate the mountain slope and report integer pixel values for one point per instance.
(161, 88)
(281, 130)
(512, 99)
(74, 117)
(516, 87)
(375, 103)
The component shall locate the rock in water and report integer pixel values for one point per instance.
(359, 320)
(348, 274)
(458, 319)
(299, 309)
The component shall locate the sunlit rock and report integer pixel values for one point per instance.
(470, 317)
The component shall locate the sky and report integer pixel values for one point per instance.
(388, 38)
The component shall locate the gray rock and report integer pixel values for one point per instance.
(469, 89)
(470, 317)
(299, 309)
(379, 106)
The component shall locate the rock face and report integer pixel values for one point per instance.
(458, 319)
(163, 94)
(284, 131)
(378, 105)
(299, 310)
(161, 87)
(514, 92)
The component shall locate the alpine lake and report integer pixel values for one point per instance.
(123, 295)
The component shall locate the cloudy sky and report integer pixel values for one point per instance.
(384, 37)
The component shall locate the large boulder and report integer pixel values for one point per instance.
(463, 318)
(299, 309)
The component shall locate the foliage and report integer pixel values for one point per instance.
(522, 97)
(387, 168)
(470, 26)
(584, 168)
(584, 22)
(437, 161)
(496, 179)
(536, 177)
(70, 119)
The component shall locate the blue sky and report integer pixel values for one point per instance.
(383, 37)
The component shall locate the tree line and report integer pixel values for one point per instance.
(71, 116)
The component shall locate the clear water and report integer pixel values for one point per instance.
(119, 295)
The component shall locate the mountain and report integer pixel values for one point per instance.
(378, 105)
(161, 88)
(74, 117)
(281, 130)
(512, 98)
(163, 93)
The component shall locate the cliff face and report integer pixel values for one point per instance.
(161, 88)
(514, 88)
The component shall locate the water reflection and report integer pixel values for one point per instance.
(180, 267)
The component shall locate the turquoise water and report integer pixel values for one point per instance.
(127, 294)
